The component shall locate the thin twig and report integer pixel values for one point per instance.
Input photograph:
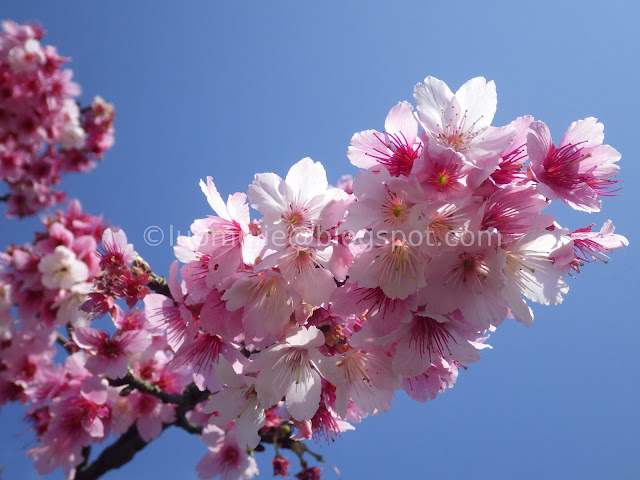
(143, 386)
(64, 342)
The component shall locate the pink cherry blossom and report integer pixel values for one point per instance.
(429, 337)
(304, 269)
(443, 173)
(346, 183)
(297, 205)
(396, 148)
(438, 377)
(515, 210)
(267, 302)
(384, 202)
(225, 458)
(206, 355)
(469, 278)
(79, 417)
(280, 466)
(462, 120)
(221, 238)
(326, 425)
(61, 269)
(310, 473)
(591, 246)
(295, 325)
(364, 375)
(109, 354)
(396, 266)
(579, 170)
(171, 314)
(215, 318)
(42, 131)
(383, 314)
(512, 160)
(290, 370)
(116, 252)
(534, 267)
(147, 412)
(238, 403)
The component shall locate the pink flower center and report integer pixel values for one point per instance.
(394, 209)
(146, 404)
(562, 167)
(430, 336)
(470, 272)
(109, 348)
(133, 321)
(457, 134)
(297, 218)
(375, 297)
(229, 456)
(204, 351)
(398, 156)
(510, 167)
(28, 370)
(444, 178)
(355, 367)
(455, 140)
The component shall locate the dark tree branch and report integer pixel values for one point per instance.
(159, 285)
(86, 453)
(192, 396)
(4, 198)
(129, 443)
(143, 386)
(156, 283)
(114, 456)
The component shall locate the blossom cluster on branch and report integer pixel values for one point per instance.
(300, 323)
(43, 133)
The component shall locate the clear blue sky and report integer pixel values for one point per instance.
(229, 89)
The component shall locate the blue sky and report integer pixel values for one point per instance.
(229, 89)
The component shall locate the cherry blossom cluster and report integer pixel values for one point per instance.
(124, 377)
(299, 323)
(76, 402)
(43, 284)
(43, 133)
(337, 297)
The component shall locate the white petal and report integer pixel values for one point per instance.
(478, 101)
(432, 100)
(588, 132)
(238, 208)
(303, 396)
(519, 309)
(490, 143)
(269, 194)
(400, 121)
(307, 179)
(248, 424)
(363, 147)
(214, 198)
